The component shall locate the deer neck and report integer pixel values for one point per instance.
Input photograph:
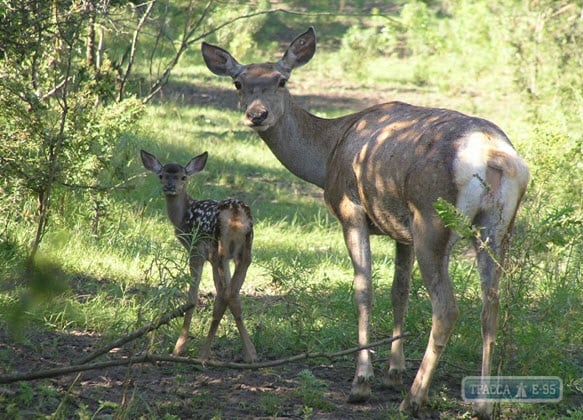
(303, 142)
(177, 208)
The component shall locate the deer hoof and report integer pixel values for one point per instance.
(392, 379)
(180, 346)
(250, 357)
(418, 410)
(482, 411)
(360, 391)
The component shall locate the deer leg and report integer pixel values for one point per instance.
(196, 263)
(432, 250)
(219, 308)
(234, 299)
(404, 259)
(358, 244)
(490, 272)
(220, 277)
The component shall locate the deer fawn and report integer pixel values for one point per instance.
(214, 231)
(382, 169)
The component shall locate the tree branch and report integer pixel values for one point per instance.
(178, 312)
(119, 186)
(188, 37)
(156, 358)
(133, 49)
(184, 44)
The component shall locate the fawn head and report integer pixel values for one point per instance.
(173, 176)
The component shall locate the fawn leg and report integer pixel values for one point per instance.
(221, 277)
(234, 301)
(196, 264)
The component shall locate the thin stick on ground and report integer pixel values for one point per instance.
(157, 358)
(165, 319)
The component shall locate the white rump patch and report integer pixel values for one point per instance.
(478, 154)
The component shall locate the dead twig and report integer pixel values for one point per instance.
(157, 358)
(165, 319)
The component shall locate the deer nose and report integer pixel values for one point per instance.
(169, 188)
(257, 117)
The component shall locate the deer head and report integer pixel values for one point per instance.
(173, 176)
(262, 87)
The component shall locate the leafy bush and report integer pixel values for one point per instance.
(59, 121)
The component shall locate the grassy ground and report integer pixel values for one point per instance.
(298, 296)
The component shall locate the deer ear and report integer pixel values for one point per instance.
(196, 164)
(299, 52)
(151, 162)
(220, 61)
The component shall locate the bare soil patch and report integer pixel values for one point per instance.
(181, 391)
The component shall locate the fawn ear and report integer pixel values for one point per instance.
(299, 52)
(220, 61)
(151, 162)
(196, 164)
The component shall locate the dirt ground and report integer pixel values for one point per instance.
(168, 390)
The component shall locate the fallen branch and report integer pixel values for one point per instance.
(165, 319)
(156, 358)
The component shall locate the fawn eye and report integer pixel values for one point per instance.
(160, 176)
(184, 177)
(282, 83)
(237, 85)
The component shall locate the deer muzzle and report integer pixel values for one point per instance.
(169, 189)
(256, 118)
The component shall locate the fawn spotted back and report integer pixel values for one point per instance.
(214, 231)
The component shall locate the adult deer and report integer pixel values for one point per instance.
(382, 169)
(214, 231)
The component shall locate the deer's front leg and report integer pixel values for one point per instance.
(196, 264)
(358, 244)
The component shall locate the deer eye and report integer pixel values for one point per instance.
(237, 85)
(184, 177)
(160, 176)
(282, 83)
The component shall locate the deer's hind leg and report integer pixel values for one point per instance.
(432, 247)
(196, 263)
(491, 250)
(228, 296)
(221, 277)
(495, 221)
(404, 259)
(242, 262)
